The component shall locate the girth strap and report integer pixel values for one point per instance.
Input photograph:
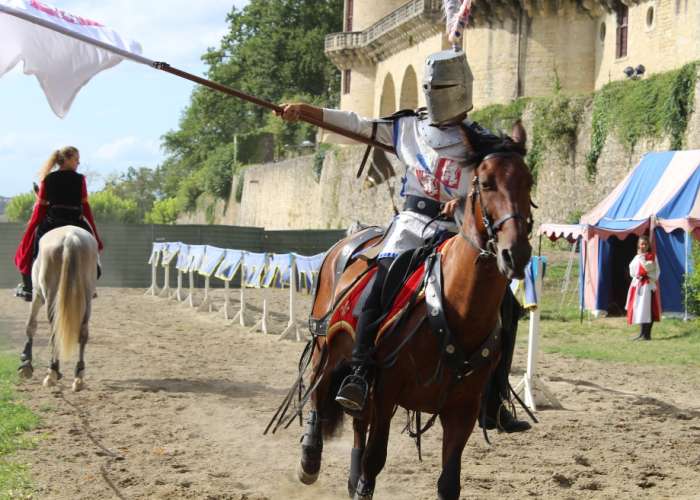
(452, 353)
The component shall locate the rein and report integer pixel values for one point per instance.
(489, 249)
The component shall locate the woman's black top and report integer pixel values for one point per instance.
(64, 187)
(63, 190)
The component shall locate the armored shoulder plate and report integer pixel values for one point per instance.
(439, 137)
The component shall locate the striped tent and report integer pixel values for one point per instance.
(659, 196)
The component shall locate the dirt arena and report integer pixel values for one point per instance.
(176, 402)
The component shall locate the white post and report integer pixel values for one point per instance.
(153, 289)
(685, 281)
(262, 323)
(190, 298)
(240, 315)
(292, 325)
(178, 292)
(531, 387)
(165, 292)
(207, 303)
(226, 299)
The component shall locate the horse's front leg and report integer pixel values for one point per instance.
(26, 370)
(359, 427)
(374, 457)
(457, 425)
(311, 449)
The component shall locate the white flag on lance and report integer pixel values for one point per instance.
(64, 51)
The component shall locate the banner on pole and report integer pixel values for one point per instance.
(64, 51)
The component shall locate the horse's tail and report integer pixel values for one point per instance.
(71, 301)
(332, 412)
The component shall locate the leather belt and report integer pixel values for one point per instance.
(424, 206)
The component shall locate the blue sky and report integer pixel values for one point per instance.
(118, 118)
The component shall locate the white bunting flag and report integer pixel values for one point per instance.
(64, 51)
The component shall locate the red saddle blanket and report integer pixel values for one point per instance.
(346, 313)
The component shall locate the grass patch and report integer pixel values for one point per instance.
(15, 420)
(674, 342)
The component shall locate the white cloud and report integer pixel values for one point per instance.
(127, 149)
(176, 31)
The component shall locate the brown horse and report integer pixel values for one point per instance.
(492, 248)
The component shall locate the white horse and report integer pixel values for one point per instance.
(65, 278)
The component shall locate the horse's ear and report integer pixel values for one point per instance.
(465, 139)
(518, 133)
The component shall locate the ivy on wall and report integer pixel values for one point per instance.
(555, 123)
(652, 108)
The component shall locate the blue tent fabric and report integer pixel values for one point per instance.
(604, 278)
(662, 192)
(670, 252)
(643, 181)
(682, 203)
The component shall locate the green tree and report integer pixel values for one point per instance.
(274, 50)
(142, 185)
(108, 207)
(164, 212)
(20, 207)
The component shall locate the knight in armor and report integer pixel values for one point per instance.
(429, 143)
(62, 200)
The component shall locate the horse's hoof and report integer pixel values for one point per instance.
(25, 371)
(364, 491)
(78, 385)
(51, 379)
(305, 477)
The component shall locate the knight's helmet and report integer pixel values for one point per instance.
(447, 83)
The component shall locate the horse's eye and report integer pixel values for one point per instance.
(486, 186)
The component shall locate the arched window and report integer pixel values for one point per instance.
(387, 104)
(409, 90)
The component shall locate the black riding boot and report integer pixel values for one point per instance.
(496, 398)
(353, 392)
(25, 290)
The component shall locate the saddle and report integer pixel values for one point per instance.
(402, 289)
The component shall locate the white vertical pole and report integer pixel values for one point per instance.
(226, 299)
(240, 315)
(533, 340)
(153, 289)
(190, 299)
(292, 324)
(178, 292)
(242, 310)
(685, 281)
(165, 292)
(531, 387)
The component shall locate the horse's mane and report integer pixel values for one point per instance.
(484, 142)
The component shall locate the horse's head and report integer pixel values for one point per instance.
(499, 206)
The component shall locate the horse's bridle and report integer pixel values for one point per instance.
(492, 228)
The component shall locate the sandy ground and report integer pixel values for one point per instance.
(177, 400)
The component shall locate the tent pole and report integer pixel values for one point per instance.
(584, 253)
(685, 281)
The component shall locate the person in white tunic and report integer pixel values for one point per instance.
(429, 142)
(643, 305)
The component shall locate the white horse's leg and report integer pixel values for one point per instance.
(79, 381)
(26, 370)
(54, 374)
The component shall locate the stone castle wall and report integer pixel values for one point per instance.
(287, 195)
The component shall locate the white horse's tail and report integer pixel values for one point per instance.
(71, 302)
